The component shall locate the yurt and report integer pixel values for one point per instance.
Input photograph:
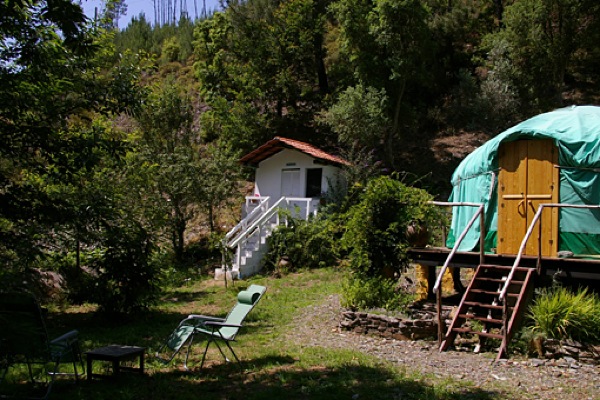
(550, 158)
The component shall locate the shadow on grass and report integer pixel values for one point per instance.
(278, 377)
(149, 329)
(181, 297)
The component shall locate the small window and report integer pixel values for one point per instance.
(314, 177)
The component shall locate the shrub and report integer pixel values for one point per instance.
(306, 244)
(127, 280)
(376, 234)
(363, 292)
(560, 313)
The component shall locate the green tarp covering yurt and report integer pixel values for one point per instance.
(576, 133)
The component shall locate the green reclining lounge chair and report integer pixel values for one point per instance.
(24, 341)
(214, 329)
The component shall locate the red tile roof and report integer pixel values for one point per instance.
(279, 143)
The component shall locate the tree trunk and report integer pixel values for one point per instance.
(155, 12)
(499, 9)
(211, 216)
(321, 70)
(179, 224)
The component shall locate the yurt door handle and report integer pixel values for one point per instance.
(524, 212)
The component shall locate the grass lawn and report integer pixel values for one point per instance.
(273, 367)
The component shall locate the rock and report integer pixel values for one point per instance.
(537, 362)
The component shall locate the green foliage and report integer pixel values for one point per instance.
(236, 124)
(376, 234)
(263, 58)
(305, 244)
(57, 76)
(359, 116)
(171, 42)
(171, 50)
(220, 173)
(561, 313)
(388, 45)
(126, 280)
(169, 154)
(540, 40)
(363, 292)
(184, 178)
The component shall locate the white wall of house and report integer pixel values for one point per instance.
(286, 173)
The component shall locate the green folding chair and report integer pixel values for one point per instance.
(24, 341)
(214, 329)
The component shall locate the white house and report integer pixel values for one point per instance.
(289, 175)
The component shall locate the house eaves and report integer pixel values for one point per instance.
(279, 143)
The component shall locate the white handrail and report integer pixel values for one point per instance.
(479, 212)
(257, 210)
(255, 221)
(259, 222)
(307, 200)
(536, 217)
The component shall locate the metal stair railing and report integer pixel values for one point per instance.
(437, 288)
(309, 210)
(238, 231)
(537, 217)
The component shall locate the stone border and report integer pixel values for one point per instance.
(421, 323)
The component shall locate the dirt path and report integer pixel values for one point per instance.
(514, 379)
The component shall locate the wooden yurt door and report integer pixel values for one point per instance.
(528, 177)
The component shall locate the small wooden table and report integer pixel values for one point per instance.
(115, 354)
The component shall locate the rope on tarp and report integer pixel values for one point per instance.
(493, 173)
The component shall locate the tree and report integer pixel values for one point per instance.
(137, 37)
(113, 11)
(268, 54)
(376, 234)
(49, 88)
(359, 116)
(169, 149)
(388, 46)
(219, 179)
(60, 81)
(186, 177)
(538, 44)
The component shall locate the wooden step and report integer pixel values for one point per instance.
(482, 319)
(493, 293)
(504, 267)
(477, 305)
(472, 332)
(496, 280)
(483, 305)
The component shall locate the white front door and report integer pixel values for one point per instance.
(290, 182)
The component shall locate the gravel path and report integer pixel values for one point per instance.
(514, 378)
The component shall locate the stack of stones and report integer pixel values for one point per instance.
(420, 323)
(571, 349)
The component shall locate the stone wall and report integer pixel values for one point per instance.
(569, 350)
(419, 323)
